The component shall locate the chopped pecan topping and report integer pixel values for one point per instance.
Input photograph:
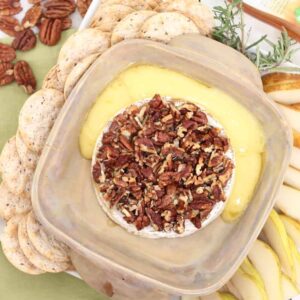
(50, 31)
(162, 163)
(24, 76)
(24, 40)
(6, 73)
(7, 53)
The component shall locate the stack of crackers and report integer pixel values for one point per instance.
(25, 242)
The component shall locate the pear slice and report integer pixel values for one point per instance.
(285, 96)
(296, 259)
(288, 287)
(247, 286)
(219, 296)
(267, 265)
(292, 115)
(288, 201)
(278, 239)
(292, 178)
(292, 228)
(295, 158)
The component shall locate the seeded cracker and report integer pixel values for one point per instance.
(164, 26)
(135, 4)
(11, 248)
(130, 26)
(51, 80)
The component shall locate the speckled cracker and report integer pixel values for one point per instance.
(28, 157)
(37, 117)
(135, 4)
(78, 46)
(77, 73)
(199, 13)
(45, 243)
(129, 27)
(51, 80)
(11, 205)
(164, 26)
(14, 174)
(12, 250)
(108, 16)
(38, 260)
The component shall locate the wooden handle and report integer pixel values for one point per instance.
(292, 29)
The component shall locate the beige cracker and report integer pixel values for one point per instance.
(12, 250)
(45, 243)
(51, 80)
(78, 46)
(37, 117)
(164, 26)
(108, 16)
(77, 73)
(28, 157)
(199, 13)
(14, 174)
(34, 256)
(130, 26)
(135, 4)
(11, 205)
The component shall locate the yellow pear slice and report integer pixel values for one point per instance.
(292, 178)
(219, 296)
(292, 228)
(247, 286)
(267, 265)
(295, 158)
(296, 260)
(278, 239)
(292, 115)
(288, 287)
(288, 201)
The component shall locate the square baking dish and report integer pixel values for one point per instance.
(65, 202)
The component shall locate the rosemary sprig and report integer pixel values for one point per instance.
(231, 31)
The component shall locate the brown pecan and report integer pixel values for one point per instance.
(50, 31)
(24, 40)
(58, 8)
(34, 1)
(6, 73)
(9, 7)
(32, 16)
(10, 25)
(24, 76)
(66, 23)
(83, 6)
(7, 53)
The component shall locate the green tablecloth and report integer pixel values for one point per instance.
(15, 285)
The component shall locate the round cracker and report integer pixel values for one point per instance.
(38, 260)
(11, 248)
(130, 26)
(162, 27)
(135, 4)
(14, 174)
(11, 205)
(77, 73)
(51, 80)
(79, 45)
(37, 117)
(28, 158)
(198, 12)
(108, 16)
(44, 243)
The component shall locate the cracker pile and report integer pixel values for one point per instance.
(25, 243)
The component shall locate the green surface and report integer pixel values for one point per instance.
(15, 285)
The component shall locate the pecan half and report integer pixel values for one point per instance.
(24, 76)
(50, 31)
(24, 40)
(58, 8)
(7, 53)
(34, 1)
(32, 16)
(66, 23)
(83, 6)
(10, 7)
(6, 73)
(10, 25)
